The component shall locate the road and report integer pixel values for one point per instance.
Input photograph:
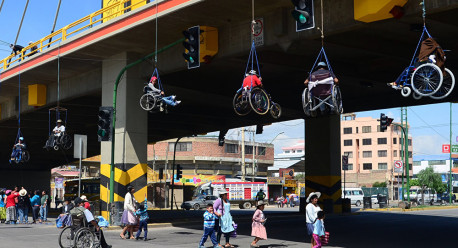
(432, 228)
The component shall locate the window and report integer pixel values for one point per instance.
(348, 154)
(347, 130)
(356, 129)
(382, 153)
(367, 154)
(382, 166)
(248, 149)
(299, 151)
(357, 192)
(410, 142)
(181, 146)
(348, 142)
(287, 151)
(436, 162)
(367, 129)
(455, 163)
(416, 163)
(367, 166)
(395, 153)
(231, 148)
(381, 141)
(367, 142)
(261, 150)
(410, 154)
(350, 166)
(394, 141)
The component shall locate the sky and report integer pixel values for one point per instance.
(429, 123)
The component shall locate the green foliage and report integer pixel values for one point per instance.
(379, 185)
(427, 178)
(414, 182)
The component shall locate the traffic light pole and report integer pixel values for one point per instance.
(406, 162)
(115, 93)
(173, 172)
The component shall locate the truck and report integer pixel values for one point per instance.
(239, 193)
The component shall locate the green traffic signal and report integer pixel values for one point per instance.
(302, 19)
(102, 133)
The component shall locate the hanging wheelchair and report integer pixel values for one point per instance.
(424, 78)
(61, 140)
(324, 94)
(19, 153)
(150, 100)
(80, 234)
(254, 96)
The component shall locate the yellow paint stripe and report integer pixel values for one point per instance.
(140, 194)
(137, 171)
(105, 170)
(123, 177)
(104, 193)
(105, 215)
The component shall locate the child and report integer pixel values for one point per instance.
(318, 229)
(143, 216)
(258, 230)
(209, 227)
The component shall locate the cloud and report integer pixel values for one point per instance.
(427, 145)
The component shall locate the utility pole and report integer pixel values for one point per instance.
(166, 191)
(451, 162)
(243, 155)
(402, 153)
(254, 151)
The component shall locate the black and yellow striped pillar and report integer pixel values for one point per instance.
(130, 153)
(323, 161)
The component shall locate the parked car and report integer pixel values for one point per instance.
(199, 202)
(416, 195)
(444, 198)
(354, 194)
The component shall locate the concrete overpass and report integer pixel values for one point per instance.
(365, 56)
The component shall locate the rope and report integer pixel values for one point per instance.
(155, 56)
(58, 80)
(22, 19)
(251, 57)
(322, 25)
(54, 24)
(253, 22)
(1, 5)
(424, 12)
(19, 104)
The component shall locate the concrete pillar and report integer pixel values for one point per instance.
(323, 162)
(130, 135)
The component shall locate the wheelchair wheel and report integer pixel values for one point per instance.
(259, 101)
(426, 79)
(416, 96)
(275, 110)
(84, 238)
(240, 107)
(306, 103)
(337, 100)
(25, 156)
(65, 238)
(448, 83)
(147, 102)
(66, 142)
(406, 91)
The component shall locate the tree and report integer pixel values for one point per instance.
(379, 185)
(427, 178)
(414, 182)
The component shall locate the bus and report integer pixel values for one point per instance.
(90, 187)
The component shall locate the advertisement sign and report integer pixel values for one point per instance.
(196, 180)
(275, 180)
(59, 182)
(286, 173)
(445, 148)
(290, 183)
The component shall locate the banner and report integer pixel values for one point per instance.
(59, 183)
(275, 180)
(290, 183)
(196, 180)
(286, 173)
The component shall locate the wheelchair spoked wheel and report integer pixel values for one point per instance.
(147, 102)
(448, 83)
(426, 79)
(240, 107)
(25, 156)
(65, 238)
(66, 142)
(84, 238)
(337, 99)
(416, 96)
(306, 103)
(275, 110)
(259, 101)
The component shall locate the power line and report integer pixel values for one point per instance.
(428, 124)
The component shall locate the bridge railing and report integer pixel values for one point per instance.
(103, 15)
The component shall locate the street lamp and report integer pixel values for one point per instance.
(276, 137)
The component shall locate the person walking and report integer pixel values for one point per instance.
(35, 202)
(2, 206)
(222, 208)
(23, 205)
(258, 230)
(209, 227)
(11, 200)
(318, 229)
(128, 216)
(311, 212)
(44, 207)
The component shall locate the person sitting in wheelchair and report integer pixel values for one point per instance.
(17, 149)
(169, 100)
(321, 78)
(251, 80)
(79, 210)
(57, 133)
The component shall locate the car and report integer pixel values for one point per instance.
(199, 202)
(354, 194)
(445, 198)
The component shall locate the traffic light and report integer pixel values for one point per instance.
(221, 137)
(384, 122)
(161, 173)
(303, 14)
(179, 172)
(192, 45)
(104, 124)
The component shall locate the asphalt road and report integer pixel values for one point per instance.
(432, 228)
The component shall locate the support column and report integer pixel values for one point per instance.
(130, 135)
(323, 161)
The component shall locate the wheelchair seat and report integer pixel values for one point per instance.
(321, 88)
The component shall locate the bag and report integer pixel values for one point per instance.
(325, 238)
(59, 222)
(234, 233)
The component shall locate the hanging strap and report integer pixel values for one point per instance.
(425, 31)
(156, 73)
(321, 55)
(251, 58)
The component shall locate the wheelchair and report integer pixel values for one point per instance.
(256, 99)
(64, 141)
(326, 97)
(80, 234)
(22, 157)
(152, 102)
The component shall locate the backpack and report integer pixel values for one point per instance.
(78, 212)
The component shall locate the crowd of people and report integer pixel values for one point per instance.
(15, 206)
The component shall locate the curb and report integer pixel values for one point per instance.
(405, 210)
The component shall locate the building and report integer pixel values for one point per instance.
(371, 153)
(440, 163)
(292, 157)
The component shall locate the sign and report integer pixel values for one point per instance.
(59, 183)
(275, 180)
(76, 146)
(454, 148)
(286, 173)
(290, 183)
(344, 162)
(196, 180)
(257, 32)
(445, 148)
(398, 166)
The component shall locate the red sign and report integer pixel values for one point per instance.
(445, 148)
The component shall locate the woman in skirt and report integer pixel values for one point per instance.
(258, 230)
(128, 216)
